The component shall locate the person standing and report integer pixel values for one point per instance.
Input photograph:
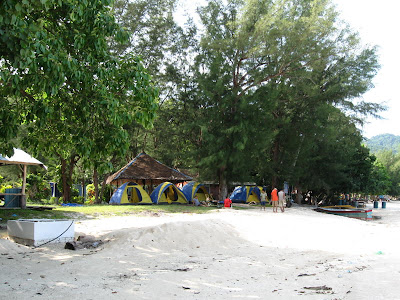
(281, 200)
(274, 199)
(263, 197)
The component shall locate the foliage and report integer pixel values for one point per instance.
(91, 194)
(384, 142)
(36, 43)
(37, 188)
(59, 76)
(379, 183)
(167, 49)
(78, 199)
(390, 161)
(269, 74)
(4, 187)
(90, 190)
(263, 92)
(53, 200)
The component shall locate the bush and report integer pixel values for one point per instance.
(74, 192)
(53, 200)
(77, 199)
(108, 191)
(90, 193)
(4, 187)
(89, 201)
(37, 188)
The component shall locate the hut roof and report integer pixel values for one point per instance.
(145, 167)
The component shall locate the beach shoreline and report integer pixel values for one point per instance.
(221, 255)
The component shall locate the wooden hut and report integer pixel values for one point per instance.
(148, 172)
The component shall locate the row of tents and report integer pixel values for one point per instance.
(168, 193)
(164, 193)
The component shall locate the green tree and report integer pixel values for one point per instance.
(166, 49)
(390, 161)
(63, 80)
(263, 64)
(380, 181)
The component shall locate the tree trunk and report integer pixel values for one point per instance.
(223, 187)
(299, 196)
(103, 186)
(298, 150)
(275, 158)
(96, 186)
(65, 181)
(83, 188)
(67, 169)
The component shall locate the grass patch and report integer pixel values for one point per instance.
(98, 211)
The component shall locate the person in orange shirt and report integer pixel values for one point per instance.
(274, 199)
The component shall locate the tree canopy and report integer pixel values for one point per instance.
(265, 91)
(60, 77)
(267, 72)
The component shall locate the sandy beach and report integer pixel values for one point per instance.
(227, 254)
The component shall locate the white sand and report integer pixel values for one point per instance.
(228, 254)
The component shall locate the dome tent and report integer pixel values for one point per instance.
(167, 193)
(245, 194)
(193, 189)
(130, 193)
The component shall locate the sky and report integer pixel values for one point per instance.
(378, 23)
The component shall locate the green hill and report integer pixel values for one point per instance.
(383, 142)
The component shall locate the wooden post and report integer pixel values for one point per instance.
(23, 196)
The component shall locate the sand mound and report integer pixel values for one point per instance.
(208, 235)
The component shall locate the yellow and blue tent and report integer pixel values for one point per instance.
(193, 189)
(167, 193)
(245, 194)
(130, 193)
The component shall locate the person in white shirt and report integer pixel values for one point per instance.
(281, 200)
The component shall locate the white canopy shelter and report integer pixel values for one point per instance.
(23, 159)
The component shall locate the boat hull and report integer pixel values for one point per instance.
(347, 211)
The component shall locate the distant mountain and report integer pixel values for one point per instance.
(383, 142)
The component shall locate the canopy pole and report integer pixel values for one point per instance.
(23, 196)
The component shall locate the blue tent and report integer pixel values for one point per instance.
(167, 193)
(245, 194)
(193, 189)
(130, 193)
